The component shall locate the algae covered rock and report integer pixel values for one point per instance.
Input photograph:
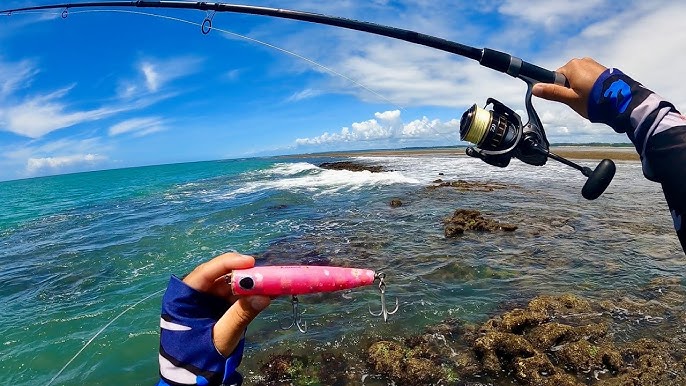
(468, 186)
(351, 166)
(396, 203)
(289, 369)
(554, 340)
(414, 362)
(470, 219)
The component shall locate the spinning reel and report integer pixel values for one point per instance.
(499, 135)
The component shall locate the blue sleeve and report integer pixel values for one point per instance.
(187, 352)
(654, 126)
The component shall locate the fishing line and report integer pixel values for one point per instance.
(100, 332)
(205, 29)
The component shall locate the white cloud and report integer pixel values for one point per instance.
(644, 43)
(42, 114)
(39, 114)
(158, 73)
(552, 14)
(61, 156)
(16, 76)
(304, 94)
(59, 164)
(388, 125)
(642, 38)
(429, 128)
(152, 77)
(232, 75)
(138, 126)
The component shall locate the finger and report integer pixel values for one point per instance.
(229, 328)
(205, 275)
(554, 92)
(562, 94)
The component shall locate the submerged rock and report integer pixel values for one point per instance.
(396, 203)
(470, 219)
(468, 186)
(290, 369)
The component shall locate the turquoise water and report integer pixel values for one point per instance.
(78, 249)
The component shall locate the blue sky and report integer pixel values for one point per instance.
(110, 89)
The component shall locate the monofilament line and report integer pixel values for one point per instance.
(100, 332)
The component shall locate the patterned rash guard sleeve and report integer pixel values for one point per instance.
(187, 352)
(654, 126)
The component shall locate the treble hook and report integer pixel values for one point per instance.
(206, 26)
(65, 13)
(297, 317)
(382, 289)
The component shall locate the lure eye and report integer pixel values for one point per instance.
(247, 283)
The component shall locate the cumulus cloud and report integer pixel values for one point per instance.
(387, 125)
(640, 37)
(62, 163)
(65, 155)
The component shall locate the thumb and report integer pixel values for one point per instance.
(228, 330)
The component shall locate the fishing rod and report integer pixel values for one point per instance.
(498, 134)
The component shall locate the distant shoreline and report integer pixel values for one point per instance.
(589, 152)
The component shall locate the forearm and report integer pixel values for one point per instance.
(654, 126)
(666, 154)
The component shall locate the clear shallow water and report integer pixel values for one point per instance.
(77, 250)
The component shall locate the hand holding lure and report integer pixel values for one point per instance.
(305, 279)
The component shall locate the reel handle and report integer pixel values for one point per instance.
(598, 179)
(516, 67)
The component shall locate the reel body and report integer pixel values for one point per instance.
(499, 135)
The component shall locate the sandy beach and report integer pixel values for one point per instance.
(573, 152)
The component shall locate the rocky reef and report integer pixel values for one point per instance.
(468, 186)
(554, 340)
(352, 166)
(470, 219)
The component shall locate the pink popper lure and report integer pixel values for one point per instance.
(297, 280)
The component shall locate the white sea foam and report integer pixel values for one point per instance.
(304, 176)
(427, 168)
(289, 169)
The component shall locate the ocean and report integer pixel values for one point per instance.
(79, 249)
